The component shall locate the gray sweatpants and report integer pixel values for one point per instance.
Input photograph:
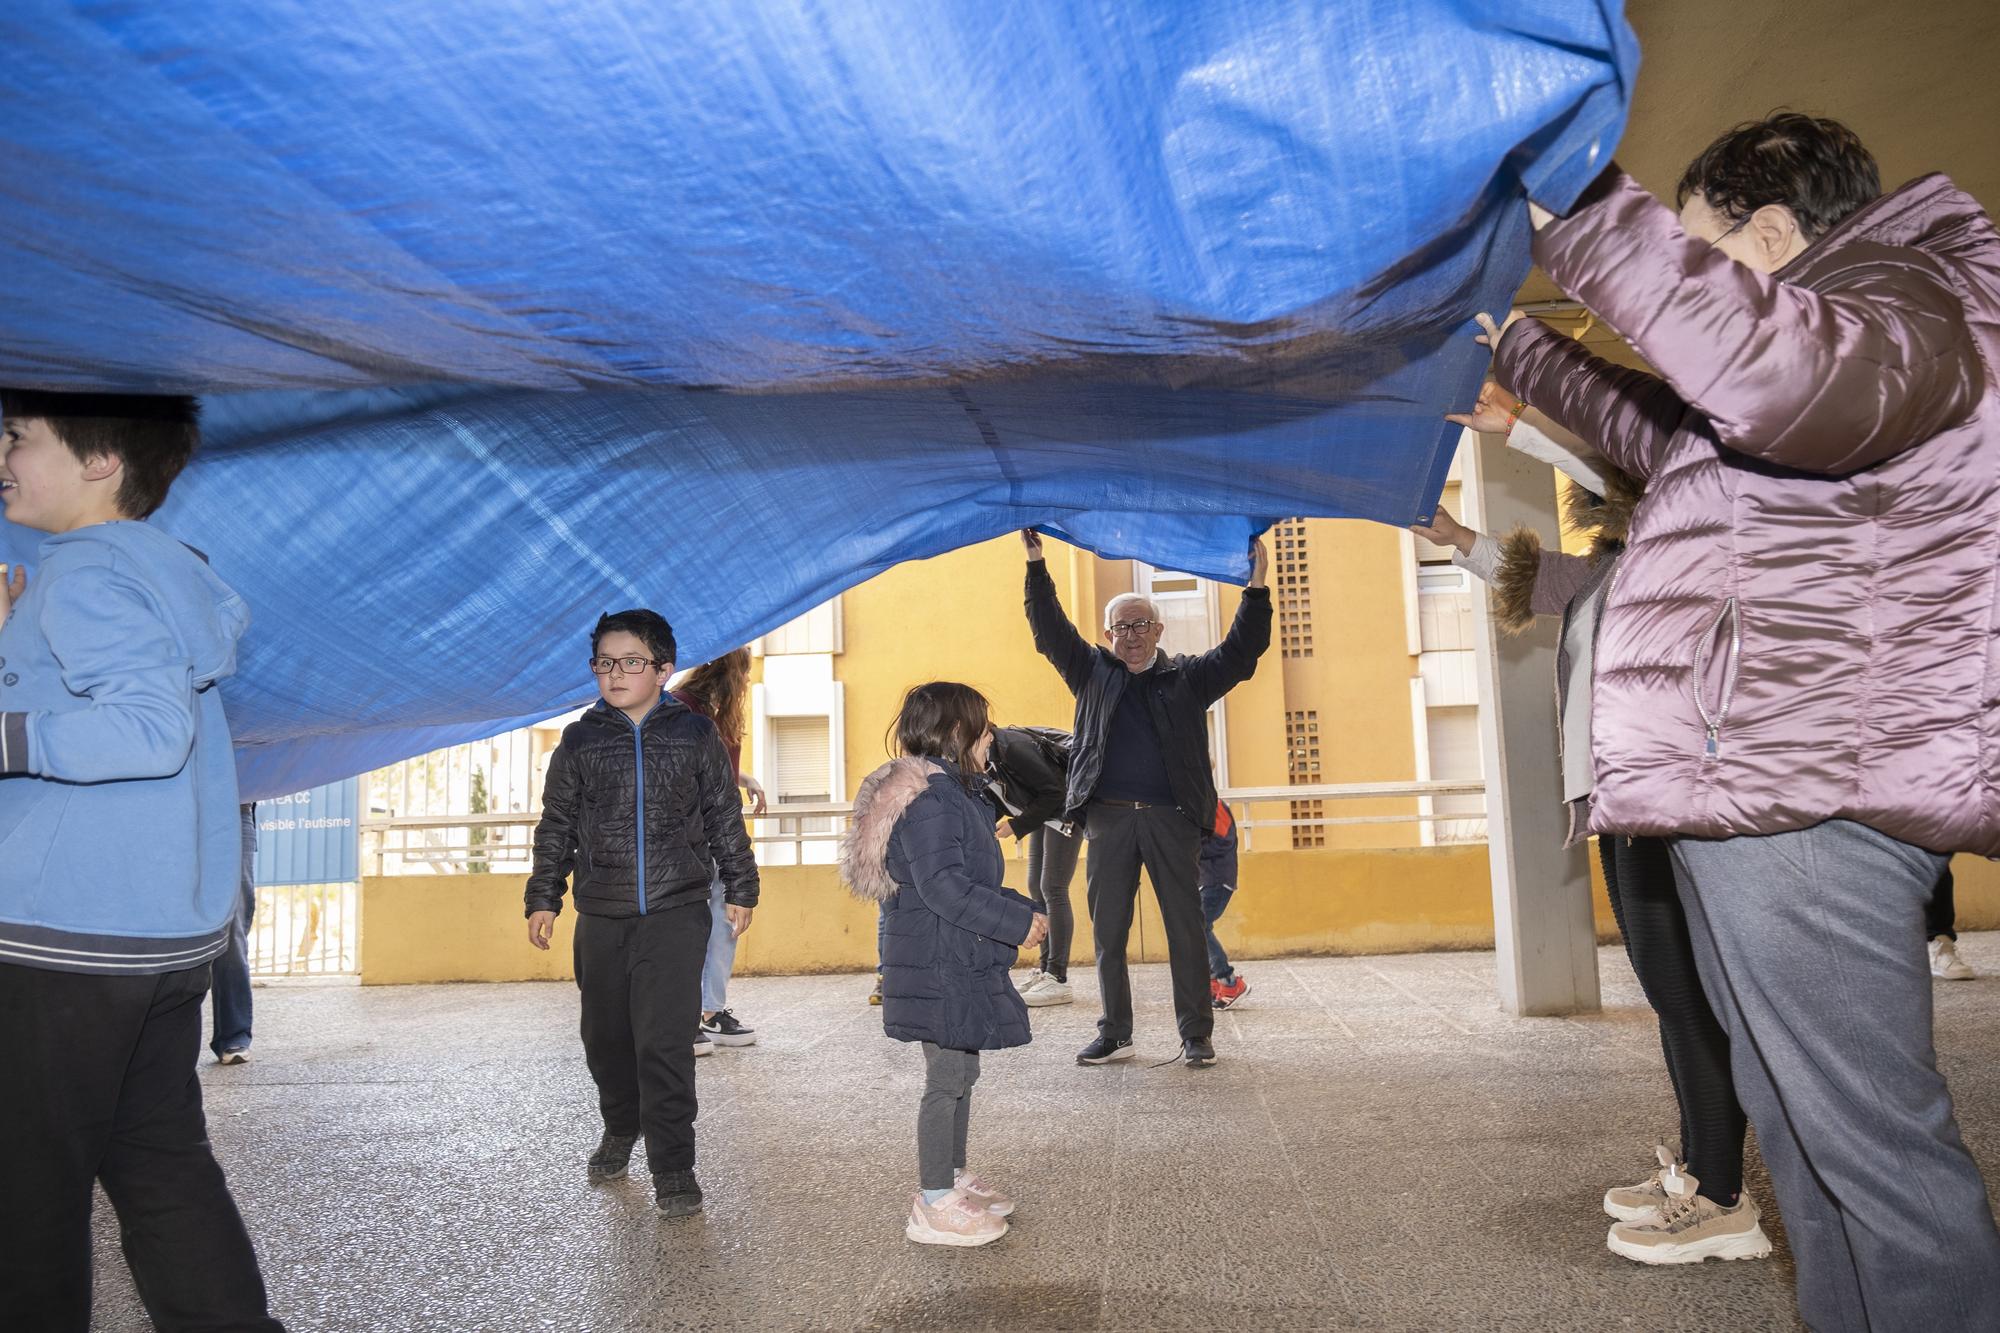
(945, 1114)
(1811, 948)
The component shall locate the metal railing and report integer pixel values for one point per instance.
(805, 834)
(306, 930)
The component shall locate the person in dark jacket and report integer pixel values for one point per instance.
(1218, 887)
(640, 807)
(1027, 779)
(922, 847)
(1140, 780)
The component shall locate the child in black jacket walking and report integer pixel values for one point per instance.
(640, 808)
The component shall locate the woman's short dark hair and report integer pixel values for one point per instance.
(151, 435)
(942, 720)
(1815, 167)
(648, 627)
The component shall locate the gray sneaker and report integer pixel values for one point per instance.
(1692, 1228)
(613, 1155)
(675, 1194)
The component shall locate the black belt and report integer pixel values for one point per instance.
(1130, 805)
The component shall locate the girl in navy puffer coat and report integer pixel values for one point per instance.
(922, 846)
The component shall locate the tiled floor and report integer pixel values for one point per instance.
(1379, 1148)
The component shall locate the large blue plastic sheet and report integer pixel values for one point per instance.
(508, 313)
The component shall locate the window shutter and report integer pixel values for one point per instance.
(802, 759)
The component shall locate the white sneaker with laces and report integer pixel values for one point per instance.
(1034, 979)
(1946, 965)
(1692, 1227)
(1048, 991)
(1644, 1201)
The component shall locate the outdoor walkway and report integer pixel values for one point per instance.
(1378, 1148)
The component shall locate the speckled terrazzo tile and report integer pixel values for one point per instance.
(1378, 1148)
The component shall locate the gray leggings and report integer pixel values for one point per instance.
(944, 1114)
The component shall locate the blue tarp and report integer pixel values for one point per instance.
(508, 312)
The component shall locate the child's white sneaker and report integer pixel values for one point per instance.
(956, 1219)
(996, 1203)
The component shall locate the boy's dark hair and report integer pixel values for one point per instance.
(648, 627)
(153, 435)
(1817, 168)
(942, 720)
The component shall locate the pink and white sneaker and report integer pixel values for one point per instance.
(996, 1203)
(956, 1219)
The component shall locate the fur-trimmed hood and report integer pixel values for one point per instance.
(885, 794)
(1606, 518)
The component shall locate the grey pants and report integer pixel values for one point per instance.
(945, 1113)
(1811, 948)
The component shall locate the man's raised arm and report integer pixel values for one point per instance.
(1055, 637)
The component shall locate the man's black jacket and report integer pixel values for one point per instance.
(1178, 693)
(608, 780)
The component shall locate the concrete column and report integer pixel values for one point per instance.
(1541, 893)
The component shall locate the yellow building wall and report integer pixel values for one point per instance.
(422, 928)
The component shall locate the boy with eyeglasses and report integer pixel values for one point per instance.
(639, 807)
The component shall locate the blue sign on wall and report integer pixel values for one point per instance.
(311, 837)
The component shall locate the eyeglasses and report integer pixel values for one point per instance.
(1125, 629)
(631, 666)
(1744, 222)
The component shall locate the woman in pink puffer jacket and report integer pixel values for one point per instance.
(1795, 668)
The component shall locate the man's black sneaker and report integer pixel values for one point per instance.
(1104, 1050)
(1198, 1054)
(675, 1194)
(724, 1030)
(614, 1153)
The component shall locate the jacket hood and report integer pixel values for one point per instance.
(864, 849)
(1605, 518)
(207, 615)
(1930, 214)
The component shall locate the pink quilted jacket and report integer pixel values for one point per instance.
(1804, 624)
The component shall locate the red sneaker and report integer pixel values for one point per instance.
(1223, 994)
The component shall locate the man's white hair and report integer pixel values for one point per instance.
(1125, 599)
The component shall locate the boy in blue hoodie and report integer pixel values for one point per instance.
(119, 847)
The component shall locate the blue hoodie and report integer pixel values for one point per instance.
(120, 840)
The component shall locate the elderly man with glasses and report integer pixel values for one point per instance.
(1141, 782)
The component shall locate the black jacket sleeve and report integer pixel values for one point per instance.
(722, 816)
(1234, 660)
(555, 835)
(1055, 637)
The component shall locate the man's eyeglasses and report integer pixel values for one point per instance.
(631, 666)
(1127, 628)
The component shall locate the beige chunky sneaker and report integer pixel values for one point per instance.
(996, 1203)
(956, 1219)
(1046, 990)
(1692, 1228)
(1644, 1201)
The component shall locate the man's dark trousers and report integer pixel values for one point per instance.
(1168, 845)
(641, 982)
(102, 1087)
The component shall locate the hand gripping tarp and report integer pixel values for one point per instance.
(509, 312)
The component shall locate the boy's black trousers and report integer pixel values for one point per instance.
(101, 1086)
(641, 982)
